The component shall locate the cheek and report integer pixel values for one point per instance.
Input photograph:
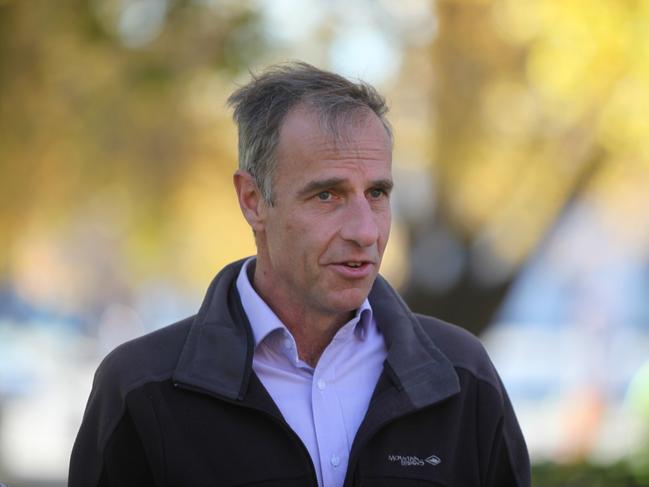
(314, 239)
(291, 227)
(296, 239)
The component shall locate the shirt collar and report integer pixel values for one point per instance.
(358, 325)
(264, 321)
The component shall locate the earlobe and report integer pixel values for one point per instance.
(250, 199)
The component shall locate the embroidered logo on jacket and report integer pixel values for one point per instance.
(414, 460)
(433, 460)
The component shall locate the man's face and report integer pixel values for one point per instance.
(324, 237)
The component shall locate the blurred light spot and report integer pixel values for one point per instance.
(364, 52)
(415, 19)
(292, 20)
(141, 21)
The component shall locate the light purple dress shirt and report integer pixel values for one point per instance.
(324, 405)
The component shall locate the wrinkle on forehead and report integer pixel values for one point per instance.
(348, 152)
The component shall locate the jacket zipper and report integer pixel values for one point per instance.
(274, 418)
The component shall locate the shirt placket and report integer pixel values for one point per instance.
(329, 422)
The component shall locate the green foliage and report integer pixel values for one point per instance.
(586, 475)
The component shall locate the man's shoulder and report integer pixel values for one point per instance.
(463, 349)
(148, 358)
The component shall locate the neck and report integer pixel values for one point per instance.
(312, 329)
(312, 340)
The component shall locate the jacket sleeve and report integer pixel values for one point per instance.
(509, 463)
(108, 451)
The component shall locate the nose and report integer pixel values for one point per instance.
(359, 223)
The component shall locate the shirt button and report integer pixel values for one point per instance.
(321, 384)
(335, 460)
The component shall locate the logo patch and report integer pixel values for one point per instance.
(433, 460)
(414, 460)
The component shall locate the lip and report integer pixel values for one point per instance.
(361, 272)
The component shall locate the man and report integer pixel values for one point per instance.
(303, 367)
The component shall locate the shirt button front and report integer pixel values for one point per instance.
(335, 460)
(321, 384)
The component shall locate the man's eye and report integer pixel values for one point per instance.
(377, 193)
(324, 195)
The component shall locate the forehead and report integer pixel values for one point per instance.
(340, 127)
(308, 143)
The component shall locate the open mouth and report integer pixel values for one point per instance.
(354, 269)
(355, 265)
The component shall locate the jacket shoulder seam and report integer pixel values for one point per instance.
(482, 378)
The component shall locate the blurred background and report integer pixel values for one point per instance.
(521, 209)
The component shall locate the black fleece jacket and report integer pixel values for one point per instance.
(182, 407)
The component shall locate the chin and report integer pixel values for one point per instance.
(348, 300)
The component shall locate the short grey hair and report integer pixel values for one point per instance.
(261, 106)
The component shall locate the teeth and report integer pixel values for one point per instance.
(353, 264)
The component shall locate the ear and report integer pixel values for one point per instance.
(251, 201)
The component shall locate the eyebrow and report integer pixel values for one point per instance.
(323, 184)
(385, 184)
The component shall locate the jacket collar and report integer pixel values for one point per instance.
(217, 354)
(419, 368)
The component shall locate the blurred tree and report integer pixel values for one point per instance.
(536, 103)
(109, 110)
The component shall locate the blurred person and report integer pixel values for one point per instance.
(303, 366)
